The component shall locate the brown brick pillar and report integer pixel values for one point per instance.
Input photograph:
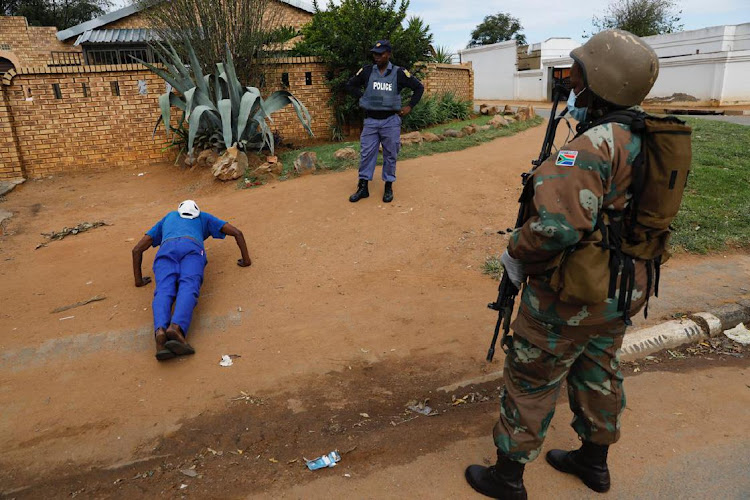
(11, 166)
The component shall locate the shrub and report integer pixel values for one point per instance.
(436, 109)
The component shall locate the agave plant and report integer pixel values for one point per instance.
(217, 106)
(441, 54)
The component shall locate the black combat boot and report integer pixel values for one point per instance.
(589, 463)
(502, 480)
(388, 193)
(362, 191)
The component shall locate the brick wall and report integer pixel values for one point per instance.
(314, 96)
(283, 15)
(103, 131)
(30, 45)
(456, 78)
(10, 163)
(76, 133)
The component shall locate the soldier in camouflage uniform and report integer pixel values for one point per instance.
(555, 338)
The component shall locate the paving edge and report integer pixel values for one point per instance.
(667, 335)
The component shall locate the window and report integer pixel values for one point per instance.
(4, 46)
(115, 86)
(85, 89)
(308, 77)
(114, 54)
(56, 90)
(285, 79)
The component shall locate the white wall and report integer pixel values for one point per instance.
(712, 65)
(493, 66)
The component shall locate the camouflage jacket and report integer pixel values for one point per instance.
(591, 173)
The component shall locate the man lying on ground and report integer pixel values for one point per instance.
(178, 270)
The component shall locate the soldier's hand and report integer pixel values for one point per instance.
(514, 268)
(405, 111)
(144, 281)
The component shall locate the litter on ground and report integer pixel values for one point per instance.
(324, 461)
(739, 334)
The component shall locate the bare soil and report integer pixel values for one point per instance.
(347, 309)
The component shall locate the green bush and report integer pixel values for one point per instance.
(433, 110)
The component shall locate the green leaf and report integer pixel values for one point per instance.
(225, 109)
(246, 108)
(194, 121)
(166, 111)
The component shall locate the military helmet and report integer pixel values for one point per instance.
(618, 66)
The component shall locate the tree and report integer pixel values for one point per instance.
(343, 34)
(59, 13)
(640, 17)
(248, 28)
(498, 28)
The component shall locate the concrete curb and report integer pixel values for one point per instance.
(675, 333)
(667, 335)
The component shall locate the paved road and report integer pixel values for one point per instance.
(740, 120)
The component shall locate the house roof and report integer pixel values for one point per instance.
(116, 15)
(129, 35)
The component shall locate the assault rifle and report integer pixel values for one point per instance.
(507, 291)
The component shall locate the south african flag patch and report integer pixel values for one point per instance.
(566, 158)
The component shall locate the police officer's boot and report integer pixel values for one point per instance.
(589, 463)
(388, 193)
(502, 480)
(362, 191)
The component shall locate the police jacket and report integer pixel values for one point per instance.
(404, 80)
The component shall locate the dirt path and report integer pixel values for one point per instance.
(335, 287)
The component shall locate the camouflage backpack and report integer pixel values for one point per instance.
(660, 174)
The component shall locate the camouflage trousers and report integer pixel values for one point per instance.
(542, 356)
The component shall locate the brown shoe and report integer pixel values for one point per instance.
(162, 353)
(177, 343)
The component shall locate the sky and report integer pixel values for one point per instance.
(452, 21)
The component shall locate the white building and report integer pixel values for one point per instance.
(710, 66)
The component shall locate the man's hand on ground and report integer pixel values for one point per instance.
(405, 111)
(243, 263)
(144, 281)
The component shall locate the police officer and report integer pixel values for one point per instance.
(555, 337)
(381, 101)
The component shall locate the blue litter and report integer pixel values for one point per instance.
(324, 461)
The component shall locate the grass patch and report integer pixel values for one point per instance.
(715, 212)
(328, 162)
(493, 267)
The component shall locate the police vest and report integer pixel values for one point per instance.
(382, 93)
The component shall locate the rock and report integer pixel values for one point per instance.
(305, 163)
(468, 130)
(452, 133)
(507, 110)
(430, 137)
(8, 186)
(411, 138)
(272, 159)
(4, 215)
(346, 154)
(485, 127)
(498, 121)
(509, 119)
(268, 169)
(207, 158)
(231, 165)
(523, 114)
(484, 109)
(532, 112)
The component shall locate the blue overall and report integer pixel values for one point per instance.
(381, 94)
(179, 264)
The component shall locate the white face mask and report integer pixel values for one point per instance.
(578, 114)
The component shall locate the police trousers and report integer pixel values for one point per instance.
(374, 133)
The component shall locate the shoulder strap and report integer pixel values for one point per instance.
(634, 119)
